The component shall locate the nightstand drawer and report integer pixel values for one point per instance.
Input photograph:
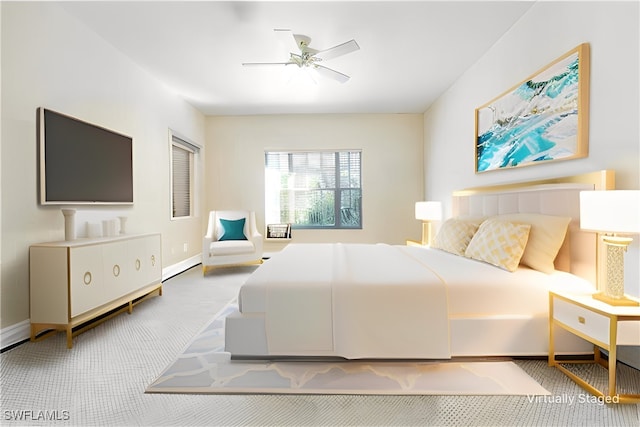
(582, 320)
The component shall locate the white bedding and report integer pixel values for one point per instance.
(349, 300)
(387, 304)
(382, 301)
(479, 289)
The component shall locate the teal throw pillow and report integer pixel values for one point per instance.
(233, 229)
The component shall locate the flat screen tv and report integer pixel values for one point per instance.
(81, 163)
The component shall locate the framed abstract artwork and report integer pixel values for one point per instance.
(544, 118)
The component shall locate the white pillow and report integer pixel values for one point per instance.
(500, 243)
(545, 238)
(455, 234)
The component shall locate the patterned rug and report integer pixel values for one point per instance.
(205, 368)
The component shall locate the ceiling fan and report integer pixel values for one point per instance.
(308, 57)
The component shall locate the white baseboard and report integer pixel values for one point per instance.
(15, 333)
(19, 332)
(178, 268)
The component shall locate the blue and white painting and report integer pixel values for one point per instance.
(538, 120)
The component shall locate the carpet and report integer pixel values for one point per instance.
(205, 368)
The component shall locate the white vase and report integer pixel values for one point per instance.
(69, 224)
(123, 222)
(108, 228)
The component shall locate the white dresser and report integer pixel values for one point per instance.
(73, 283)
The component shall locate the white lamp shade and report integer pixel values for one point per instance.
(429, 211)
(616, 211)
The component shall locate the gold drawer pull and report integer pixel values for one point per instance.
(153, 260)
(87, 278)
(581, 320)
(138, 264)
(116, 270)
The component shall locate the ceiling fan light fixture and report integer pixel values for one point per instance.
(300, 77)
(309, 57)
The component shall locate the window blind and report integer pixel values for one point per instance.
(182, 173)
(315, 189)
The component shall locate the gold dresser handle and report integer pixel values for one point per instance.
(581, 320)
(116, 270)
(153, 260)
(138, 264)
(87, 278)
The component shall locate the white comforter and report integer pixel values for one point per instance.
(350, 300)
(477, 289)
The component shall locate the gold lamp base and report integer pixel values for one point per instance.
(624, 301)
(426, 233)
(613, 293)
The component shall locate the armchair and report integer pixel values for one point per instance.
(237, 243)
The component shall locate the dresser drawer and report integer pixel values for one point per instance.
(582, 320)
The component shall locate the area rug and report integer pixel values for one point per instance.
(204, 367)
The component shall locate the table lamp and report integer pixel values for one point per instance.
(614, 215)
(427, 212)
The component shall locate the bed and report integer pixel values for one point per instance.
(380, 301)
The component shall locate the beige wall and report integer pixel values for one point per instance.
(392, 167)
(611, 29)
(51, 60)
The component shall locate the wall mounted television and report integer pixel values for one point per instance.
(81, 163)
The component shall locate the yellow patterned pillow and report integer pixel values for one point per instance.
(545, 238)
(455, 234)
(500, 243)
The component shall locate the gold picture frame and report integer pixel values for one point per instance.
(543, 118)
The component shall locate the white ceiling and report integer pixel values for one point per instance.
(410, 52)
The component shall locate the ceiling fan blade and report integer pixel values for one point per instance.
(287, 39)
(339, 50)
(267, 63)
(303, 43)
(332, 74)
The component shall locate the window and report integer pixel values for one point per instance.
(319, 189)
(182, 177)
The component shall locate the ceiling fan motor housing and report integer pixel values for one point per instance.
(309, 57)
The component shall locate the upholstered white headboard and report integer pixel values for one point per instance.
(556, 196)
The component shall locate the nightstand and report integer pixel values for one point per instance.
(601, 324)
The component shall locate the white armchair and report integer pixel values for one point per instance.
(238, 243)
